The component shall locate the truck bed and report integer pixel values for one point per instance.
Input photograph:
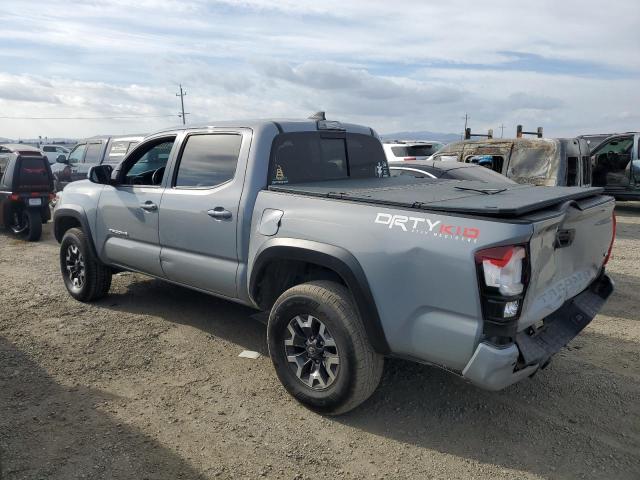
(455, 196)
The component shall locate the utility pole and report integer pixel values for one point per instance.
(501, 130)
(182, 95)
(466, 118)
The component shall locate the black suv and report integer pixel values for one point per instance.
(26, 188)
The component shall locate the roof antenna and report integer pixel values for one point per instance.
(318, 116)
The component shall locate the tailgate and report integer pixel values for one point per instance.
(567, 253)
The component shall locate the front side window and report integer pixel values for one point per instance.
(316, 156)
(208, 160)
(93, 153)
(77, 153)
(148, 165)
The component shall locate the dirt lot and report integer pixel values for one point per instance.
(147, 383)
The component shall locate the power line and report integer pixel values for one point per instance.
(86, 118)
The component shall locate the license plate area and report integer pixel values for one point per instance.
(563, 325)
(35, 202)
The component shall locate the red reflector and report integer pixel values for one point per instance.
(408, 159)
(14, 196)
(613, 237)
(498, 256)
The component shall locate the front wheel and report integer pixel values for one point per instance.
(85, 277)
(319, 348)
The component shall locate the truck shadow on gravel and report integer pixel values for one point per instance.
(560, 423)
(221, 318)
(48, 430)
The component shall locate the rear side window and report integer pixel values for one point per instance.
(208, 160)
(48, 149)
(572, 171)
(494, 162)
(93, 153)
(315, 156)
(33, 174)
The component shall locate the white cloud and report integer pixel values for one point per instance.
(411, 65)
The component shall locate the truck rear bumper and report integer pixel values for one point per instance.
(494, 367)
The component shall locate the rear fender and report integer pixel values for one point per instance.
(333, 258)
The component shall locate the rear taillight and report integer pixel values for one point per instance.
(613, 238)
(503, 276)
(14, 197)
(502, 268)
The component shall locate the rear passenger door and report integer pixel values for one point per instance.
(199, 211)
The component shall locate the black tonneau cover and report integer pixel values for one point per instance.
(459, 196)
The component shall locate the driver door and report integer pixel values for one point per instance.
(127, 220)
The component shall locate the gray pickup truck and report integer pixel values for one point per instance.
(301, 220)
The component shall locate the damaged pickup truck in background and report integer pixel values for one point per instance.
(536, 161)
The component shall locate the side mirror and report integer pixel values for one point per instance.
(100, 174)
(62, 159)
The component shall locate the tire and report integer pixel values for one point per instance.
(359, 367)
(86, 278)
(34, 229)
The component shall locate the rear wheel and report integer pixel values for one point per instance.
(26, 223)
(34, 219)
(85, 277)
(320, 349)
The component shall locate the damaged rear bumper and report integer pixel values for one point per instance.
(495, 367)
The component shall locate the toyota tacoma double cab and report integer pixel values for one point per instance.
(301, 220)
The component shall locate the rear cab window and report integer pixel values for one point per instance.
(415, 150)
(301, 157)
(33, 174)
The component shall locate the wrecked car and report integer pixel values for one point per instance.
(536, 161)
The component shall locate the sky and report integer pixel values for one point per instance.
(83, 68)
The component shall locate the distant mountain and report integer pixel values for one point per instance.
(439, 137)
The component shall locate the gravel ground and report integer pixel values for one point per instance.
(147, 383)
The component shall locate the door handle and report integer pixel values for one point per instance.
(149, 206)
(219, 213)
